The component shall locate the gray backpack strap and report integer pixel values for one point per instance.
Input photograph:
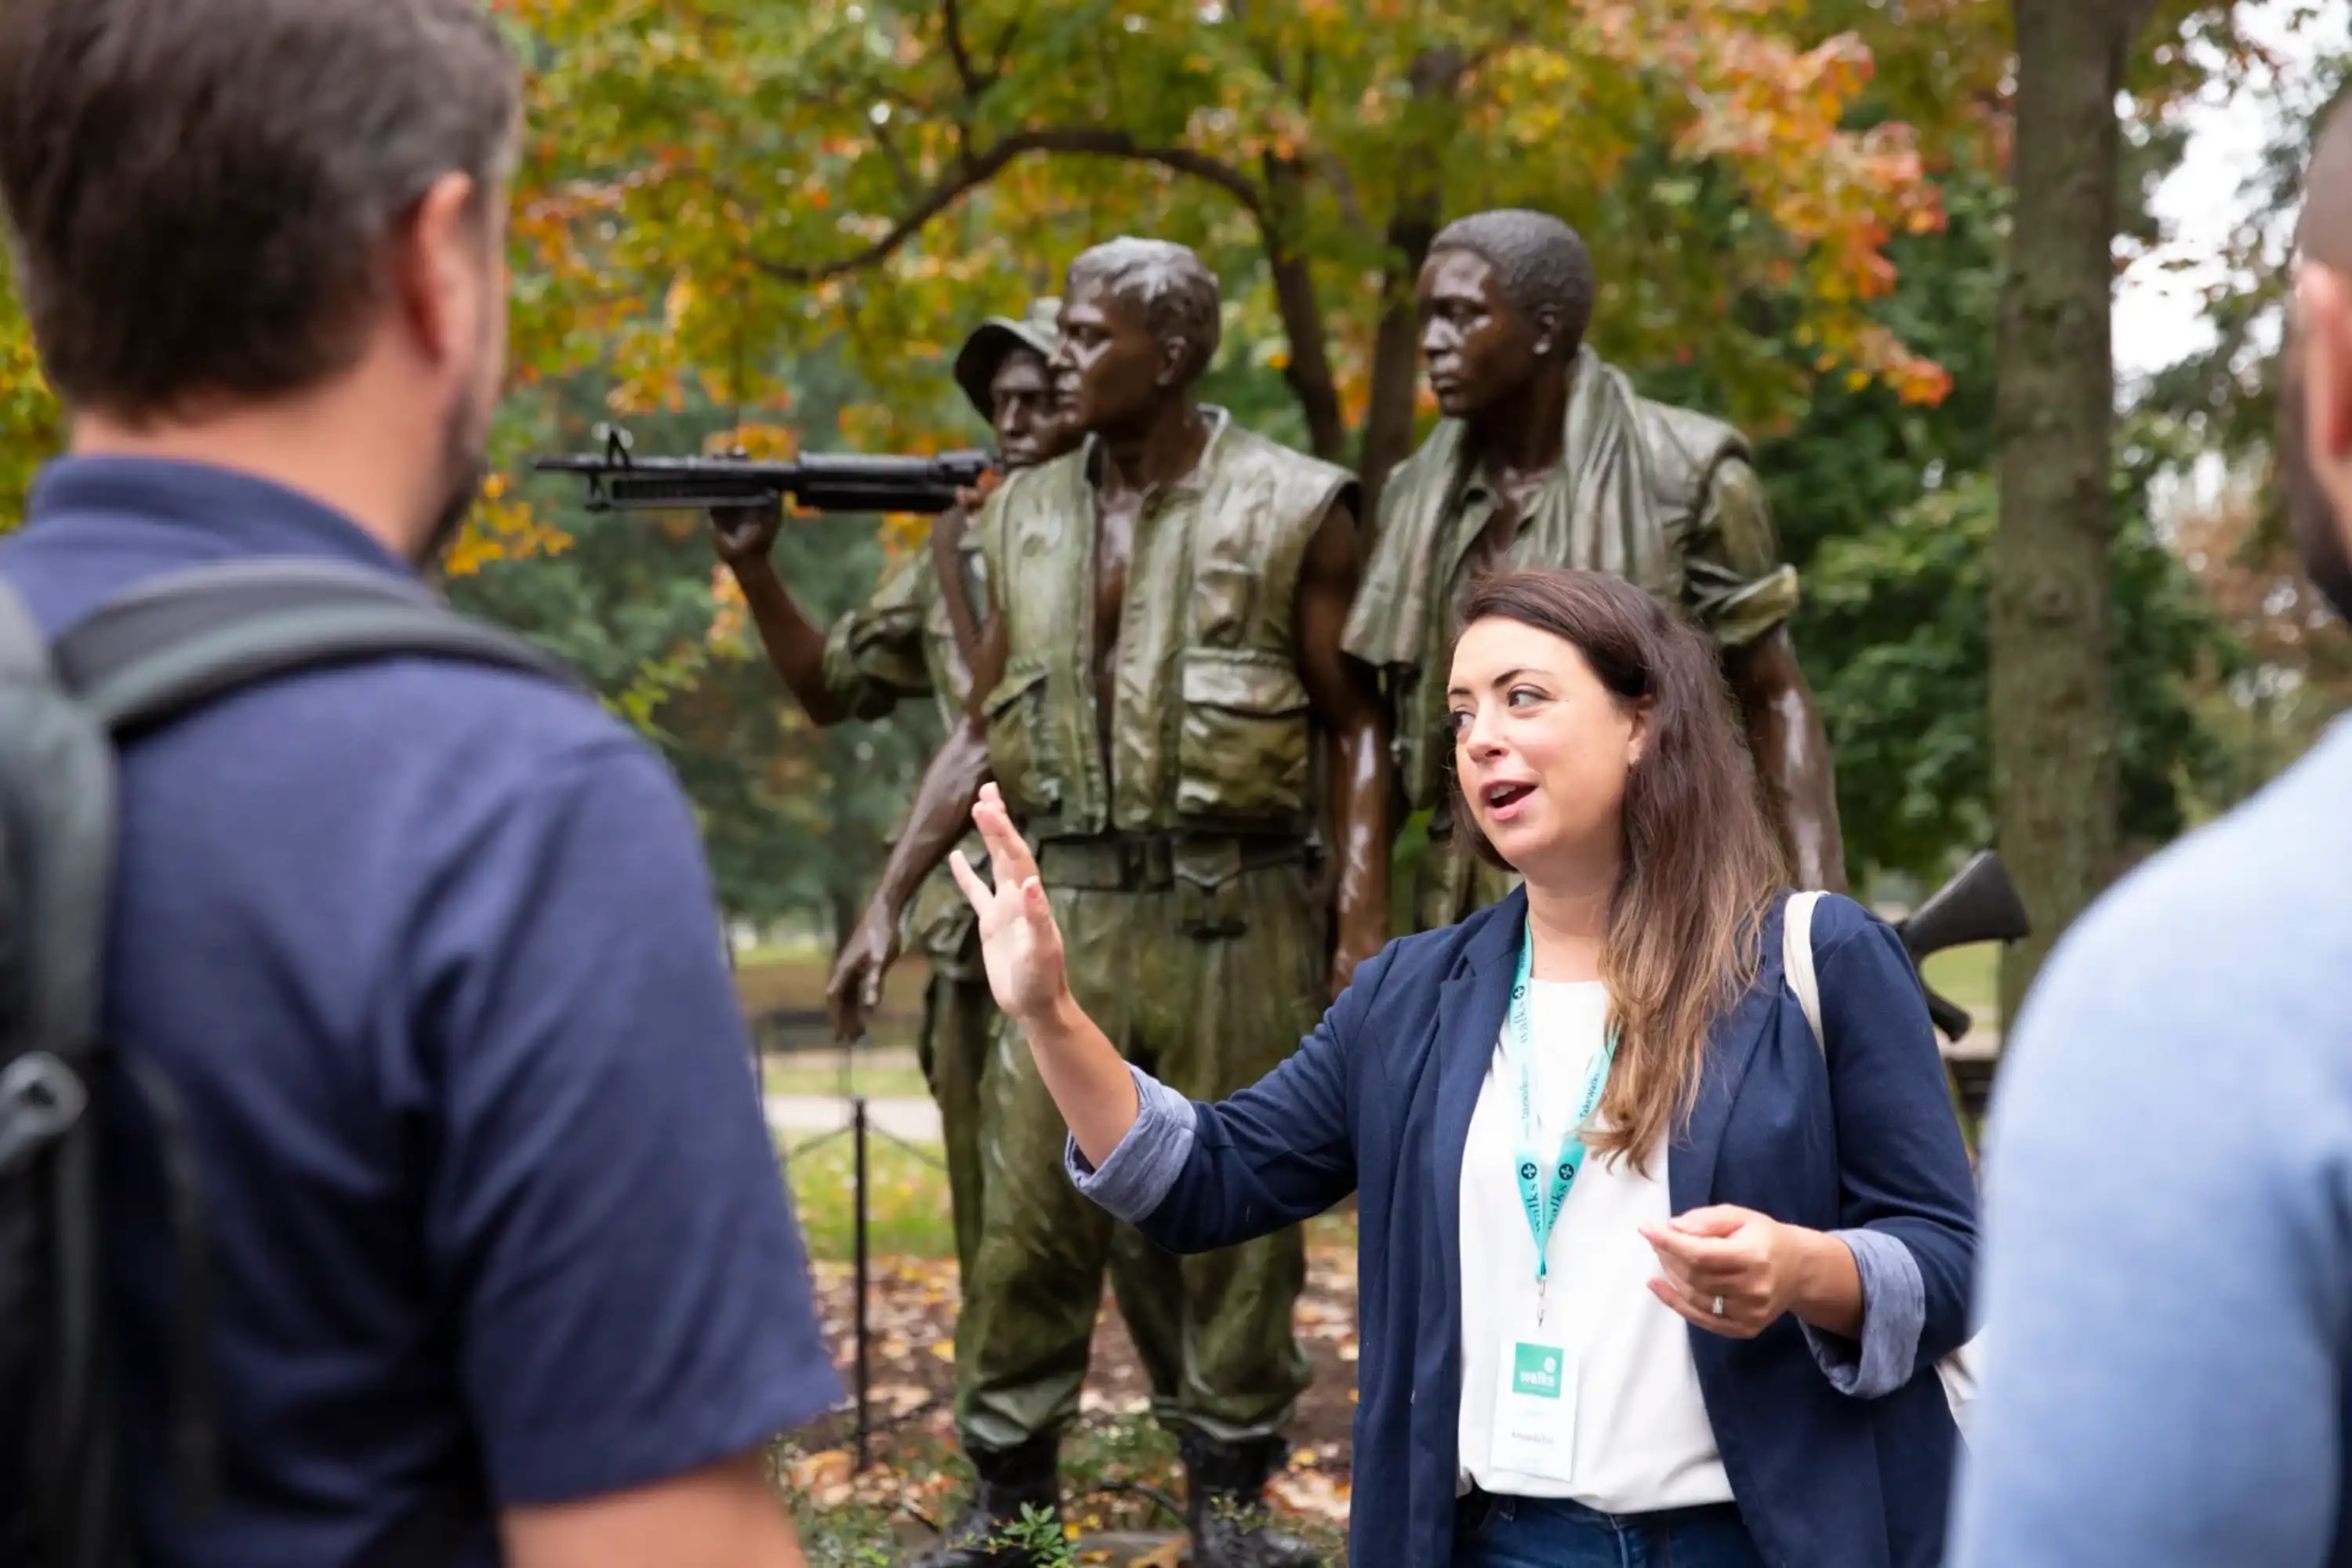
(23, 651)
(143, 659)
(170, 646)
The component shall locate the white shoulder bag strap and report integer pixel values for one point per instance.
(1957, 1370)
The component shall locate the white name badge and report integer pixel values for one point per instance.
(1535, 1411)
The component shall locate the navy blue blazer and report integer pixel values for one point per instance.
(1377, 1100)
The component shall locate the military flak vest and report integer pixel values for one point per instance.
(1210, 730)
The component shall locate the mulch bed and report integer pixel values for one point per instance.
(911, 1371)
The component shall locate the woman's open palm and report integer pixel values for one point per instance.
(1018, 939)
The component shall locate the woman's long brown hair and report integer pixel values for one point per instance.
(1701, 867)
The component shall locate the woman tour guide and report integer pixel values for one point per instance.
(1648, 1276)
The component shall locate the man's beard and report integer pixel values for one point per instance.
(464, 464)
(2310, 514)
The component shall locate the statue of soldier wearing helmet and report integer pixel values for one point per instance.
(912, 640)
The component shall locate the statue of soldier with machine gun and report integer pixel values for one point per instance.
(620, 481)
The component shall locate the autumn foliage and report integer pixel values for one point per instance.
(713, 184)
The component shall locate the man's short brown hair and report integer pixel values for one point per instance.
(199, 192)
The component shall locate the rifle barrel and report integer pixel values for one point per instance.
(848, 481)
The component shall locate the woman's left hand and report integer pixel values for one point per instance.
(1732, 1271)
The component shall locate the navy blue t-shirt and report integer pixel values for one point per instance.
(430, 954)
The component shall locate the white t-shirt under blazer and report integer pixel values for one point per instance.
(1640, 1439)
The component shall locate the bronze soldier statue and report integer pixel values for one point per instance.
(1548, 456)
(1161, 663)
(912, 638)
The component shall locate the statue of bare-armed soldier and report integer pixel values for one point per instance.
(1163, 652)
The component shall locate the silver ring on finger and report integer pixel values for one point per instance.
(1719, 1305)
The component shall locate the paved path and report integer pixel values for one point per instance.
(806, 1115)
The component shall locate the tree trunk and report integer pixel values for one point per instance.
(2053, 719)
(844, 903)
(1396, 350)
(1308, 371)
(1434, 116)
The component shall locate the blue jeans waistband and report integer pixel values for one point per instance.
(1496, 1531)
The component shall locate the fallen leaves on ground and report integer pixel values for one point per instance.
(911, 1310)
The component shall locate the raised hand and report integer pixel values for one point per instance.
(972, 497)
(1019, 941)
(744, 534)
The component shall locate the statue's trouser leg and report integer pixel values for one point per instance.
(958, 1025)
(1031, 1300)
(1210, 1016)
(1150, 1284)
(1215, 1013)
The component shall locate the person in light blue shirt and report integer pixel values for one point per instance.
(2167, 1283)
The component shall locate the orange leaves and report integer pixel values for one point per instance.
(761, 442)
(1875, 352)
(502, 528)
(1736, 92)
(729, 612)
(1777, 112)
(692, 153)
(1920, 381)
(869, 427)
(823, 1478)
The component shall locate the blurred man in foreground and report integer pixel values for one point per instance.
(503, 1269)
(2168, 1275)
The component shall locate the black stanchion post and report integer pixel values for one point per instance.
(857, 1140)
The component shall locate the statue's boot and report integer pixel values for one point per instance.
(1224, 1504)
(1009, 1480)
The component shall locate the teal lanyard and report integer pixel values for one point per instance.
(1544, 1203)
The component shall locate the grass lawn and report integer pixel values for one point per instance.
(907, 1201)
(877, 1073)
(768, 979)
(1970, 976)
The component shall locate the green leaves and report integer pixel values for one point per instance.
(32, 426)
(720, 183)
(1894, 636)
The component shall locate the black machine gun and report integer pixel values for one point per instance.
(1980, 904)
(617, 481)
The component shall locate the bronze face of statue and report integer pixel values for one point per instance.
(1547, 455)
(1002, 369)
(1029, 429)
(1478, 349)
(1116, 376)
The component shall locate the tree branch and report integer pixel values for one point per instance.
(1335, 173)
(1003, 50)
(1435, 116)
(907, 184)
(1308, 371)
(974, 83)
(975, 170)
